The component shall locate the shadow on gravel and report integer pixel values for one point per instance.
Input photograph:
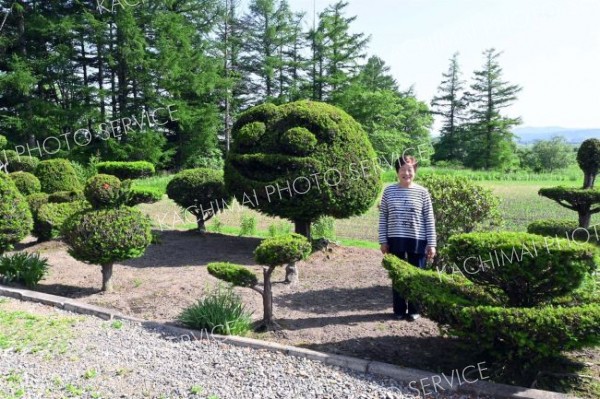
(189, 248)
(313, 322)
(69, 291)
(335, 300)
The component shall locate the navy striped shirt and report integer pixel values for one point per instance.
(407, 213)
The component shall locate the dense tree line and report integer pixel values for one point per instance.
(98, 69)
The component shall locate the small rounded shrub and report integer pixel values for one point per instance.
(3, 143)
(57, 175)
(144, 195)
(276, 251)
(126, 170)
(66, 196)
(26, 182)
(105, 191)
(23, 268)
(19, 163)
(237, 275)
(50, 217)
(199, 191)
(568, 229)
(15, 217)
(36, 200)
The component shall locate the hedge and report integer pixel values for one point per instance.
(126, 170)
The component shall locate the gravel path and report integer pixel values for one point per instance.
(124, 360)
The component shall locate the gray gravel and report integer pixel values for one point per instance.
(133, 362)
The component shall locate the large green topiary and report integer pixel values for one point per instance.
(200, 191)
(300, 161)
(17, 162)
(271, 253)
(107, 236)
(57, 175)
(126, 170)
(15, 218)
(26, 182)
(49, 218)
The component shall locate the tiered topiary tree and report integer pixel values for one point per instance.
(300, 161)
(271, 253)
(110, 232)
(57, 175)
(15, 217)
(581, 200)
(201, 192)
(519, 297)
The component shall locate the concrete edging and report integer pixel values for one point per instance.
(401, 374)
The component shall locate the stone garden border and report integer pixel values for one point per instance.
(401, 374)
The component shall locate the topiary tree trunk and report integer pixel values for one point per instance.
(107, 271)
(292, 274)
(302, 227)
(267, 294)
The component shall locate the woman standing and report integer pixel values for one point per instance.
(407, 227)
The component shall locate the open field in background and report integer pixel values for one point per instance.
(520, 205)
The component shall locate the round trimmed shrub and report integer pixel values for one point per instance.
(66, 196)
(19, 163)
(57, 175)
(301, 161)
(200, 191)
(49, 218)
(567, 229)
(36, 200)
(3, 142)
(105, 191)
(26, 182)
(15, 218)
(106, 236)
(126, 170)
(237, 275)
(276, 251)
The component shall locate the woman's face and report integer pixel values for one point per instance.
(406, 174)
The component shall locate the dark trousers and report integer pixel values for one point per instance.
(401, 305)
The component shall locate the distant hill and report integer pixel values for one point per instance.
(527, 135)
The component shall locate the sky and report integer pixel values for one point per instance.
(550, 47)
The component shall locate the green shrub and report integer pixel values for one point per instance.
(15, 217)
(49, 218)
(279, 229)
(567, 229)
(324, 227)
(528, 268)
(248, 225)
(220, 312)
(106, 191)
(588, 158)
(126, 170)
(57, 175)
(26, 182)
(3, 143)
(36, 200)
(66, 196)
(232, 273)
(281, 250)
(217, 225)
(84, 172)
(144, 195)
(19, 163)
(106, 236)
(201, 192)
(23, 268)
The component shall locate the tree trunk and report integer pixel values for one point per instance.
(201, 225)
(107, 271)
(291, 273)
(584, 218)
(267, 323)
(588, 180)
(302, 227)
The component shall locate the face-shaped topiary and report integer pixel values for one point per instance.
(302, 160)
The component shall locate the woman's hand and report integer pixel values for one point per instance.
(430, 251)
(385, 248)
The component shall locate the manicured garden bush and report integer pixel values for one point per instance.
(3, 143)
(588, 158)
(106, 236)
(521, 312)
(201, 192)
(35, 201)
(144, 195)
(300, 161)
(15, 217)
(126, 170)
(26, 182)
(19, 163)
(49, 218)
(66, 196)
(561, 229)
(106, 191)
(23, 268)
(220, 312)
(57, 175)
(272, 252)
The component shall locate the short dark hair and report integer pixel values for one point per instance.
(406, 159)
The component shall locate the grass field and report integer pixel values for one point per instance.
(519, 203)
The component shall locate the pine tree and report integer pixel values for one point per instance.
(491, 144)
(375, 75)
(451, 105)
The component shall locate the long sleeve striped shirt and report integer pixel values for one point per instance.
(407, 213)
